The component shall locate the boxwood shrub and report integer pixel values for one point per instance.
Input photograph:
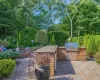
(6, 67)
(41, 37)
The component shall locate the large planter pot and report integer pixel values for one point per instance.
(42, 73)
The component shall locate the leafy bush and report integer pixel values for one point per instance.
(91, 47)
(79, 40)
(91, 42)
(85, 40)
(4, 43)
(12, 42)
(6, 67)
(97, 42)
(23, 38)
(6, 55)
(41, 37)
(26, 36)
(97, 57)
(75, 39)
(60, 37)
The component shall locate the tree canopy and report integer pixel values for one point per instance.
(52, 15)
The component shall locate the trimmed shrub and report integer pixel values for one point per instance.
(60, 37)
(91, 47)
(6, 55)
(75, 39)
(97, 42)
(91, 42)
(52, 40)
(97, 57)
(79, 40)
(6, 67)
(26, 37)
(41, 37)
(85, 41)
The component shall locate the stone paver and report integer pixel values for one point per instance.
(78, 70)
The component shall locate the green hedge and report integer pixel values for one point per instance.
(91, 42)
(22, 38)
(6, 55)
(26, 37)
(97, 57)
(6, 67)
(91, 47)
(79, 40)
(60, 37)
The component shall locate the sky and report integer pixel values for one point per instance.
(37, 12)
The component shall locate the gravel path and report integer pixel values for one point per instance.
(21, 71)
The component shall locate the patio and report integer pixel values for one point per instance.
(78, 70)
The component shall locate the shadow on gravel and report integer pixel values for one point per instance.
(64, 68)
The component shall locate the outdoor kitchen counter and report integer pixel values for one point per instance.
(52, 51)
(47, 49)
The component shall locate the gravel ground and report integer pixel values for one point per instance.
(21, 71)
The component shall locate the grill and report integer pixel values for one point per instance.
(72, 50)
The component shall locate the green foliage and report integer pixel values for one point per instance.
(75, 39)
(86, 20)
(60, 37)
(91, 47)
(6, 55)
(4, 43)
(25, 37)
(52, 40)
(97, 57)
(18, 38)
(97, 42)
(42, 37)
(11, 42)
(6, 20)
(6, 67)
(86, 38)
(91, 42)
(79, 40)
